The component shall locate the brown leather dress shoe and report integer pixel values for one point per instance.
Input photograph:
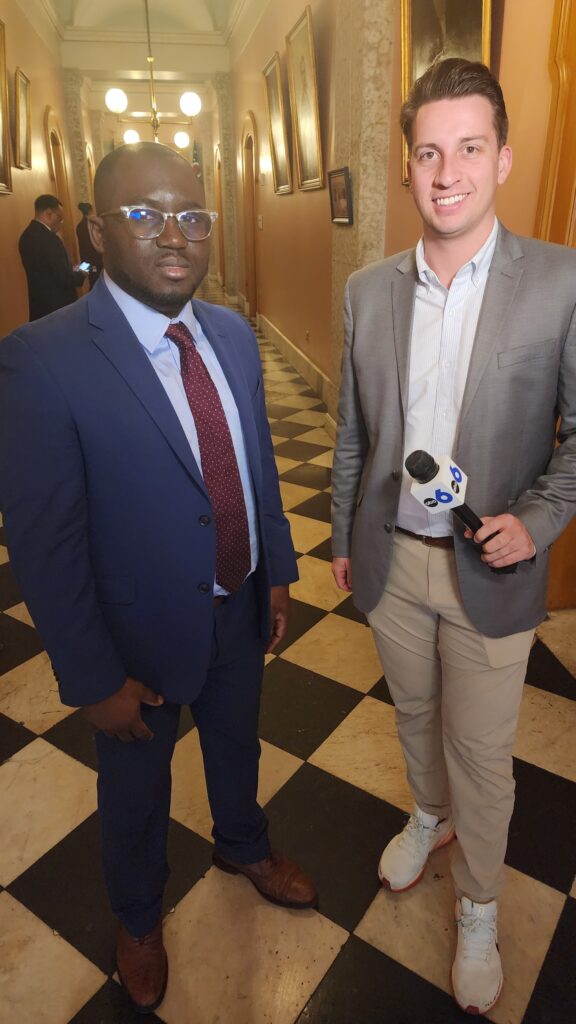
(278, 879)
(142, 965)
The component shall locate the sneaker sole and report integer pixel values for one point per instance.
(442, 842)
(475, 1011)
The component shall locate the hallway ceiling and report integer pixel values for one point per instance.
(125, 15)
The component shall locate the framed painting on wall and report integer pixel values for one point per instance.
(340, 196)
(23, 156)
(5, 171)
(304, 103)
(279, 156)
(434, 29)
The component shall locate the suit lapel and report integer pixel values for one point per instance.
(503, 280)
(403, 286)
(113, 335)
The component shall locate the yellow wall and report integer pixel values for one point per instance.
(527, 90)
(25, 49)
(293, 250)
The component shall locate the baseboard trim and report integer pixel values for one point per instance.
(307, 369)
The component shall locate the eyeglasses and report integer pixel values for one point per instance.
(195, 225)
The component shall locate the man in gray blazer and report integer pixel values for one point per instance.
(465, 346)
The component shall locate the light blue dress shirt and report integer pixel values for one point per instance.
(150, 328)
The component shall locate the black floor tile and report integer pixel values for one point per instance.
(13, 736)
(349, 611)
(302, 617)
(9, 591)
(74, 736)
(381, 692)
(323, 550)
(299, 708)
(545, 671)
(110, 1005)
(186, 723)
(554, 997)
(542, 838)
(301, 451)
(309, 475)
(336, 833)
(65, 888)
(318, 507)
(364, 986)
(277, 412)
(18, 642)
(3, 536)
(283, 428)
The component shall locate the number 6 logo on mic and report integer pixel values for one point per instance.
(445, 489)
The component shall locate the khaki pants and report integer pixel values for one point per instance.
(457, 695)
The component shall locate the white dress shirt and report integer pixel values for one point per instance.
(443, 331)
(150, 328)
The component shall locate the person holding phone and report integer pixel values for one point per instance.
(90, 257)
(52, 281)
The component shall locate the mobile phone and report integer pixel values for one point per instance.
(85, 266)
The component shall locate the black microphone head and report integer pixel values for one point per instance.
(421, 466)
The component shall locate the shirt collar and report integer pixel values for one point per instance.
(148, 324)
(478, 266)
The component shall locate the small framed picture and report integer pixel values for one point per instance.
(340, 190)
(23, 129)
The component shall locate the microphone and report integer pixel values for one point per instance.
(441, 485)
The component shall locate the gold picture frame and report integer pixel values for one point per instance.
(279, 153)
(304, 103)
(23, 139)
(5, 167)
(433, 29)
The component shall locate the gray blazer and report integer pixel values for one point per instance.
(522, 377)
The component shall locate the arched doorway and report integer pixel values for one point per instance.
(91, 170)
(249, 177)
(59, 175)
(220, 252)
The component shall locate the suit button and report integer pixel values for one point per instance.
(388, 527)
(204, 588)
(204, 520)
(396, 474)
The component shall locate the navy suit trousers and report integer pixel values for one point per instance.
(134, 782)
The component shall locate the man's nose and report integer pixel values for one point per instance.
(171, 237)
(447, 172)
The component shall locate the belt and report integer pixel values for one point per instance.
(432, 542)
(219, 600)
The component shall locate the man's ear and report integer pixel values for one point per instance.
(96, 230)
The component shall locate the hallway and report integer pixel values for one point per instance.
(332, 782)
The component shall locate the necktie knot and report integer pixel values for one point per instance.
(180, 335)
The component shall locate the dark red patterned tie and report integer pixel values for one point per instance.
(219, 465)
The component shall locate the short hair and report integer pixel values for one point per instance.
(108, 168)
(450, 79)
(46, 202)
(85, 208)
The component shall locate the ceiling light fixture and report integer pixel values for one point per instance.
(190, 103)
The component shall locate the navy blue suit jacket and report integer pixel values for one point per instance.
(103, 501)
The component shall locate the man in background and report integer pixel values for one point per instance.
(88, 253)
(466, 347)
(52, 282)
(142, 512)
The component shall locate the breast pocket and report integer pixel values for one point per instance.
(537, 351)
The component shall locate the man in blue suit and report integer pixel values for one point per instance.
(142, 509)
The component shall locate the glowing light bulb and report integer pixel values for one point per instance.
(116, 100)
(131, 136)
(190, 104)
(182, 140)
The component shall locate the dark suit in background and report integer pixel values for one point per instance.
(52, 282)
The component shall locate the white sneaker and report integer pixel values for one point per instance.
(477, 971)
(404, 859)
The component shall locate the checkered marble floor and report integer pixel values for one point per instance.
(333, 785)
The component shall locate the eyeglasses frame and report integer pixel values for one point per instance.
(127, 210)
